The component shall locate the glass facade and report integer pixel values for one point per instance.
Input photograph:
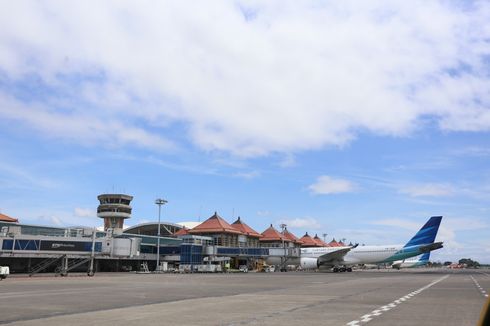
(190, 254)
(257, 252)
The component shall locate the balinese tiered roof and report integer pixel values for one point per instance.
(214, 224)
(333, 243)
(308, 241)
(320, 242)
(271, 234)
(183, 231)
(5, 218)
(291, 237)
(245, 229)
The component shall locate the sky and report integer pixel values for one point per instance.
(358, 120)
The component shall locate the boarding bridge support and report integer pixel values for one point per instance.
(144, 267)
(45, 264)
(67, 265)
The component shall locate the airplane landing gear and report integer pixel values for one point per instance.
(341, 269)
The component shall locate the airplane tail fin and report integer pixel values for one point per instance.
(425, 257)
(427, 234)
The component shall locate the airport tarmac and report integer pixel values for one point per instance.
(385, 297)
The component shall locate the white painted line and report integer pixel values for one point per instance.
(483, 292)
(377, 312)
(366, 318)
(353, 323)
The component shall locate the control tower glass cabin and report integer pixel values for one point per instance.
(114, 209)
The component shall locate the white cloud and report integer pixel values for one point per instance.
(326, 185)
(293, 76)
(84, 212)
(81, 127)
(247, 175)
(428, 190)
(301, 223)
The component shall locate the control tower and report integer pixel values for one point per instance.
(114, 208)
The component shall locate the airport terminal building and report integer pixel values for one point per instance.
(213, 245)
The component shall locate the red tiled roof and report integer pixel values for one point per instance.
(320, 242)
(308, 241)
(292, 237)
(214, 224)
(183, 231)
(272, 234)
(333, 243)
(245, 229)
(5, 218)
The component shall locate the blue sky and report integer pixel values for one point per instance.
(356, 120)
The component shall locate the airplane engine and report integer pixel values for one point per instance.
(309, 263)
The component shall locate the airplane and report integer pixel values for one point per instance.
(340, 259)
(421, 260)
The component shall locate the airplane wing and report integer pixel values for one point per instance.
(430, 247)
(334, 256)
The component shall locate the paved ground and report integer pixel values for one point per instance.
(407, 297)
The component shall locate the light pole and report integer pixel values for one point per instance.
(159, 202)
(283, 227)
(325, 237)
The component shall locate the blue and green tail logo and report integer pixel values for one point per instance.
(427, 234)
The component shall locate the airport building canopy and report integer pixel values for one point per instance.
(245, 229)
(308, 241)
(166, 229)
(5, 218)
(189, 224)
(292, 237)
(214, 224)
(271, 234)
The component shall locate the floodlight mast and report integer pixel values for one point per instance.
(325, 237)
(159, 202)
(283, 227)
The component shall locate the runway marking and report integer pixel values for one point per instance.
(483, 292)
(379, 311)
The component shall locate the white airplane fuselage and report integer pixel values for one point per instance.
(411, 262)
(358, 255)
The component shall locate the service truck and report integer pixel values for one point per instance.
(4, 272)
